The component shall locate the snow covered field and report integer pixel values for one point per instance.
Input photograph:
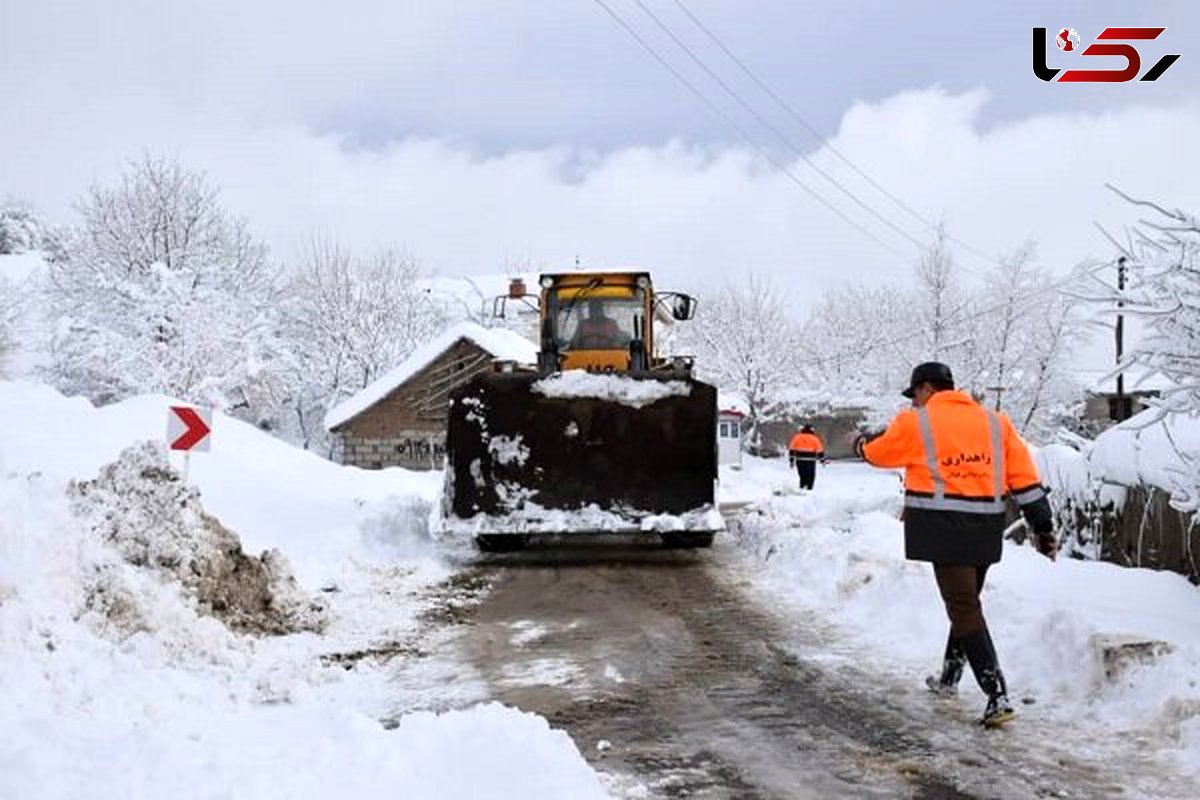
(116, 681)
(836, 556)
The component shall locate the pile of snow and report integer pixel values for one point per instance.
(616, 388)
(131, 660)
(529, 517)
(502, 344)
(1148, 449)
(1093, 478)
(838, 552)
(141, 507)
(508, 450)
(320, 514)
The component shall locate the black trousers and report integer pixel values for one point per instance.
(807, 469)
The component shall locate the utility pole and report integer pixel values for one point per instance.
(1120, 415)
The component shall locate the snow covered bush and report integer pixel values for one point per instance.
(20, 229)
(349, 319)
(163, 291)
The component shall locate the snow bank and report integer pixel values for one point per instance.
(839, 552)
(503, 344)
(1145, 450)
(1148, 450)
(617, 388)
(485, 752)
(272, 494)
(125, 668)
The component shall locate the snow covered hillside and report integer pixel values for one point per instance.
(147, 649)
(1087, 646)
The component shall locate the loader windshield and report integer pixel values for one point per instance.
(598, 323)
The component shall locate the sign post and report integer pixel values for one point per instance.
(188, 429)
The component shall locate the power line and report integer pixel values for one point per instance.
(726, 120)
(737, 98)
(812, 131)
(795, 114)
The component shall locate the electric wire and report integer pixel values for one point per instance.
(766, 123)
(812, 131)
(742, 134)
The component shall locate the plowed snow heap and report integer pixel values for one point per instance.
(602, 435)
(141, 506)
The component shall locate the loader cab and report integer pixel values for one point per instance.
(599, 321)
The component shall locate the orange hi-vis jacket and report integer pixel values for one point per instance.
(806, 447)
(961, 462)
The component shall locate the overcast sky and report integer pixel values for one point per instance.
(479, 134)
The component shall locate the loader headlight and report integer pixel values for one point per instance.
(643, 282)
(547, 281)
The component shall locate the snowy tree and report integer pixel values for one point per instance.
(746, 340)
(853, 340)
(1162, 259)
(350, 319)
(1023, 345)
(20, 229)
(939, 302)
(10, 309)
(161, 290)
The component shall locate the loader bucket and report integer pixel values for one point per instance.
(523, 455)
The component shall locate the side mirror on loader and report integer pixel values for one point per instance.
(683, 307)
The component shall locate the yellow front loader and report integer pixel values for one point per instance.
(601, 435)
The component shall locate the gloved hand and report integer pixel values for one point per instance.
(860, 441)
(824, 462)
(1047, 544)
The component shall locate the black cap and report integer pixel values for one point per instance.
(929, 372)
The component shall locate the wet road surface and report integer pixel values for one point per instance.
(664, 671)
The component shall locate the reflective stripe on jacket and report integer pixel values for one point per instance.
(806, 446)
(957, 456)
(961, 461)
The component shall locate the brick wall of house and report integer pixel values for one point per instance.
(408, 427)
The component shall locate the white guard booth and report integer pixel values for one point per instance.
(729, 436)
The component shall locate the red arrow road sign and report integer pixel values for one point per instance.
(192, 434)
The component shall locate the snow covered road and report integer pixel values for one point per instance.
(787, 661)
(666, 673)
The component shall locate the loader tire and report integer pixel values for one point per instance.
(688, 540)
(501, 542)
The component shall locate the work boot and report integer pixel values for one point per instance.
(946, 684)
(981, 653)
(999, 712)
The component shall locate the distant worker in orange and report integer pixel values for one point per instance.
(962, 463)
(804, 451)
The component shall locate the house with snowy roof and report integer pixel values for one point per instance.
(400, 419)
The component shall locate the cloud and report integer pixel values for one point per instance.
(697, 215)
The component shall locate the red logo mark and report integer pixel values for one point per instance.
(1067, 39)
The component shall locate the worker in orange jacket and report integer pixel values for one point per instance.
(962, 464)
(805, 450)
